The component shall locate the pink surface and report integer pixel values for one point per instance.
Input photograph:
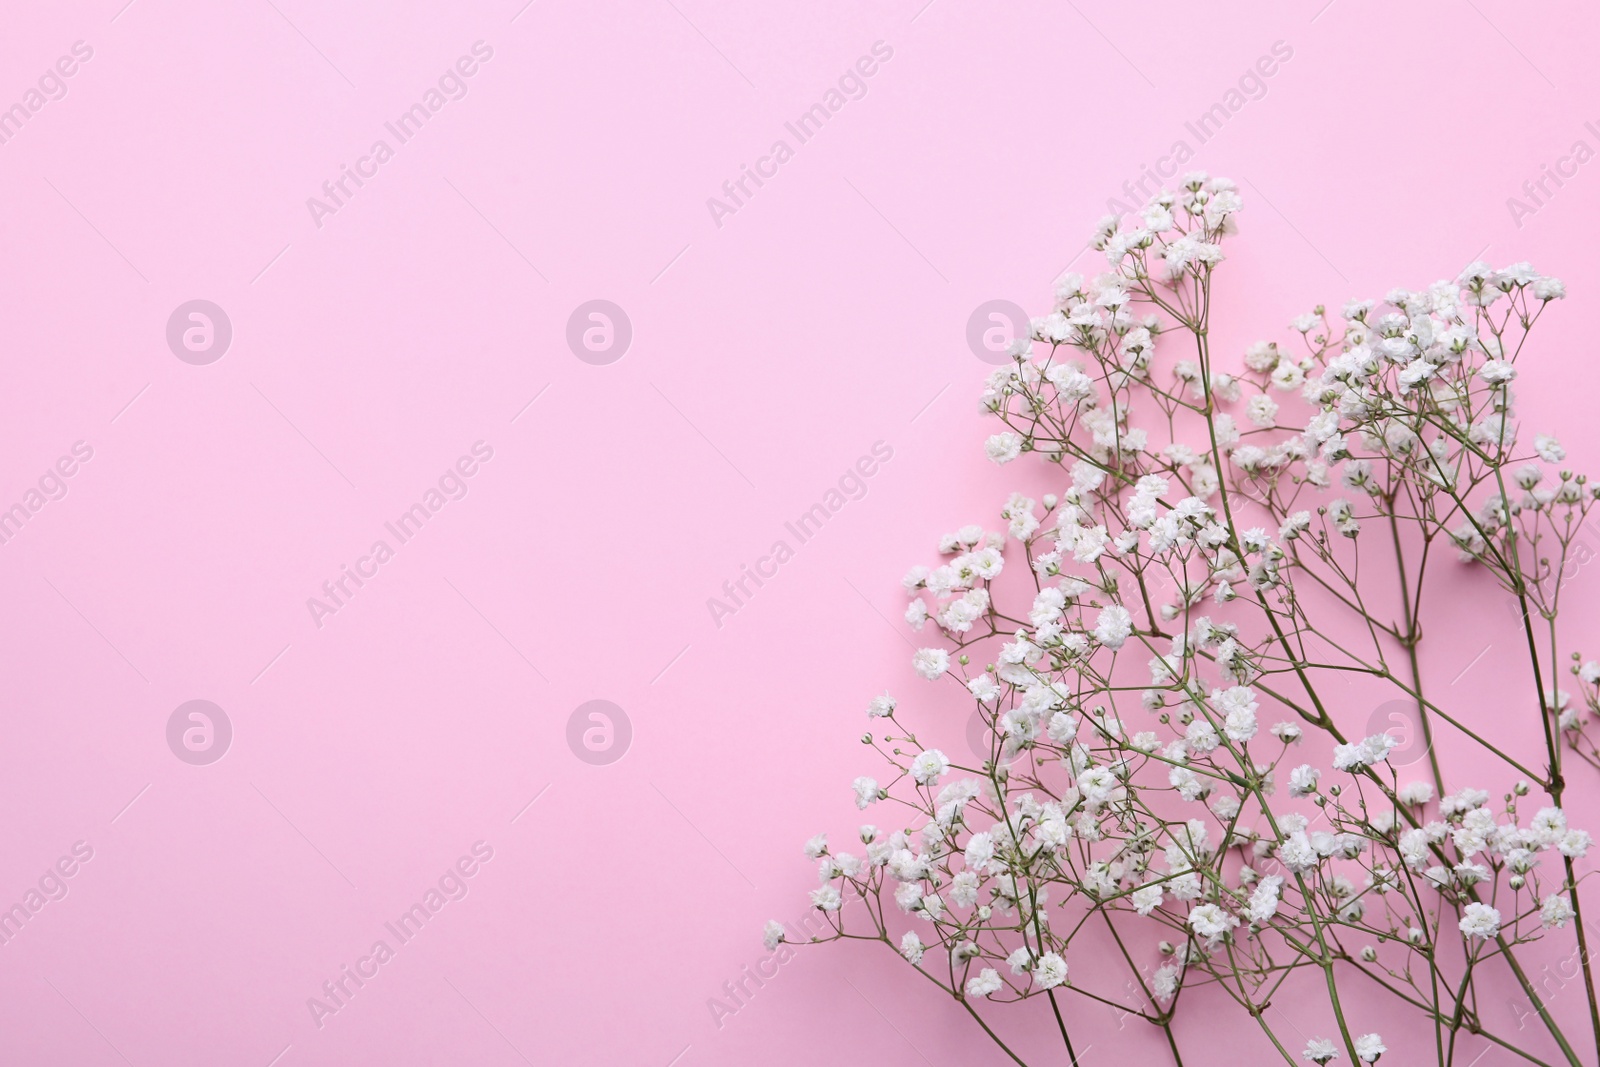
(385, 336)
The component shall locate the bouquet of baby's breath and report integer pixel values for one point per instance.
(1172, 774)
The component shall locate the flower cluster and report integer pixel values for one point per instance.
(1158, 649)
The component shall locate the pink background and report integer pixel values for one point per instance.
(768, 353)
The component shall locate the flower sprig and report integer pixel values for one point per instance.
(1175, 792)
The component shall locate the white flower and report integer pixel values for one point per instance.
(866, 791)
(1480, 921)
(826, 898)
(1352, 757)
(1238, 706)
(1320, 1050)
(984, 688)
(1146, 898)
(911, 947)
(1201, 736)
(1497, 371)
(1097, 785)
(1261, 357)
(1114, 626)
(930, 662)
(881, 706)
(1003, 447)
(772, 934)
(1050, 971)
(1303, 780)
(1369, 1047)
(1296, 852)
(1165, 982)
(984, 982)
(1549, 449)
(928, 766)
(816, 846)
(1414, 793)
(1287, 377)
(1264, 901)
(1556, 910)
(1210, 921)
(979, 851)
(1549, 288)
(1261, 410)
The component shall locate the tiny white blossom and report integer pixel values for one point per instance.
(1114, 626)
(984, 982)
(930, 662)
(1003, 447)
(1050, 971)
(928, 766)
(1480, 921)
(1369, 1047)
(1556, 910)
(1320, 1050)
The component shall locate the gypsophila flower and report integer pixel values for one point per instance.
(1210, 921)
(984, 982)
(1113, 626)
(1004, 447)
(1480, 921)
(1303, 780)
(826, 898)
(1415, 793)
(1556, 910)
(1264, 899)
(1369, 1047)
(1320, 1050)
(930, 662)
(772, 934)
(1230, 541)
(1146, 898)
(1050, 971)
(928, 766)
